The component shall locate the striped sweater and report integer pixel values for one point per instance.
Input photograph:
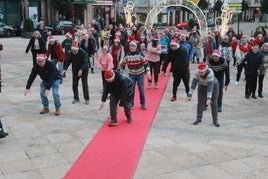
(135, 62)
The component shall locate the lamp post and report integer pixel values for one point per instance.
(24, 5)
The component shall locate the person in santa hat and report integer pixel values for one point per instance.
(178, 57)
(89, 44)
(50, 77)
(78, 58)
(153, 56)
(121, 89)
(220, 68)
(137, 65)
(67, 44)
(56, 53)
(105, 62)
(208, 92)
(117, 51)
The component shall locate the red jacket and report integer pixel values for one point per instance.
(58, 50)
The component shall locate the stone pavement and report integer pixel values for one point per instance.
(45, 146)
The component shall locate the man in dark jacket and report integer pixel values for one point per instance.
(179, 59)
(121, 89)
(51, 77)
(254, 66)
(78, 58)
(220, 68)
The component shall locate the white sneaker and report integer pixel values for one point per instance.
(236, 83)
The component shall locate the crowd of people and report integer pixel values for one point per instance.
(145, 50)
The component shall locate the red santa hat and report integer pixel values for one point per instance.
(174, 42)
(131, 38)
(118, 33)
(68, 34)
(109, 75)
(202, 67)
(105, 47)
(156, 37)
(177, 32)
(142, 36)
(244, 36)
(117, 39)
(216, 53)
(183, 34)
(75, 45)
(41, 56)
(133, 42)
(51, 38)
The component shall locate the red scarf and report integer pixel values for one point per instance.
(115, 56)
(245, 48)
(209, 47)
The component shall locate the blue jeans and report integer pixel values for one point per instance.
(60, 67)
(140, 80)
(55, 91)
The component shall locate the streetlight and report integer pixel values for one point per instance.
(24, 5)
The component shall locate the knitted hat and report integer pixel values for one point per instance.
(51, 38)
(133, 42)
(41, 56)
(68, 34)
(117, 39)
(216, 53)
(105, 47)
(75, 45)
(109, 75)
(202, 67)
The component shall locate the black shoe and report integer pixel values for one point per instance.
(254, 96)
(92, 70)
(219, 109)
(3, 134)
(143, 107)
(87, 102)
(197, 121)
(247, 96)
(260, 95)
(129, 120)
(113, 123)
(216, 124)
(75, 101)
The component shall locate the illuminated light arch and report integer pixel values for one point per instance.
(188, 4)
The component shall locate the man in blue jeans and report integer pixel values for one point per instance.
(51, 78)
(137, 66)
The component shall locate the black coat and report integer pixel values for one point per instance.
(179, 60)
(254, 63)
(79, 61)
(31, 45)
(49, 73)
(122, 87)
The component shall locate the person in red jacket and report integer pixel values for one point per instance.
(56, 53)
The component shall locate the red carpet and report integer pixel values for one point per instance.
(115, 151)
